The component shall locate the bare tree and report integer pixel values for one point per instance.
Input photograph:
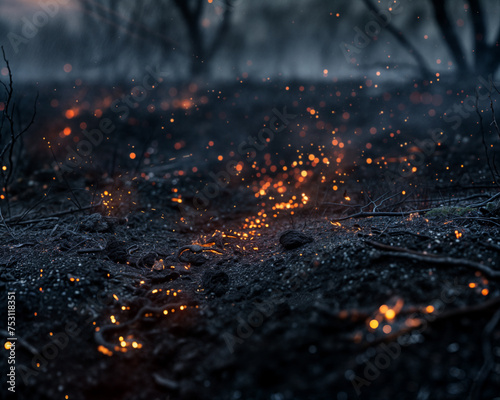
(202, 50)
(401, 38)
(485, 56)
(139, 24)
(11, 133)
(113, 27)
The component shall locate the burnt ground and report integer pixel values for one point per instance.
(130, 299)
(257, 320)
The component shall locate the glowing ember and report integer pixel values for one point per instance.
(105, 351)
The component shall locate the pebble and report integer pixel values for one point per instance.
(292, 239)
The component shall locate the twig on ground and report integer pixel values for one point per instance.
(14, 220)
(53, 230)
(44, 197)
(433, 259)
(6, 226)
(396, 233)
(483, 373)
(382, 214)
(375, 207)
(481, 219)
(90, 250)
(34, 221)
(483, 203)
(403, 213)
(341, 205)
(75, 246)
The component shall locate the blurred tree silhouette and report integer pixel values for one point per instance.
(127, 23)
(202, 50)
(485, 56)
(113, 39)
(12, 130)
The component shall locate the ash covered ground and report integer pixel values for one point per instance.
(274, 241)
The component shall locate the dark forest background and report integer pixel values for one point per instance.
(223, 39)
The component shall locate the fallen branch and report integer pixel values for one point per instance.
(374, 213)
(90, 250)
(405, 213)
(483, 203)
(488, 358)
(34, 221)
(382, 214)
(379, 232)
(433, 259)
(13, 221)
(482, 219)
(6, 226)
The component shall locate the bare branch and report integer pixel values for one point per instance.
(434, 259)
(449, 34)
(419, 58)
(483, 139)
(382, 214)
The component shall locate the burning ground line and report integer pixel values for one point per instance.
(247, 149)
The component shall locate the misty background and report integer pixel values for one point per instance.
(230, 39)
(366, 80)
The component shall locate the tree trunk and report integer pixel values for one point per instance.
(419, 58)
(450, 36)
